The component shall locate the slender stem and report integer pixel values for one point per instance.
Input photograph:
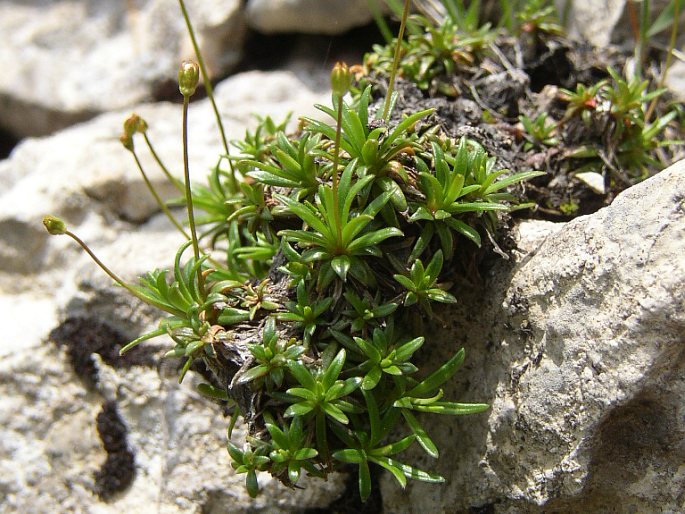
(159, 201)
(210, 91)
(632, 16)
(396, 60)
(104, 268)
(507, 16)
(336, 157)
(189, 198)
(641, 48)
(165, 170)
(321, 440)
(380, 21)
(669, 58)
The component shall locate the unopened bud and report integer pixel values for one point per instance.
(127, 141)
(54, 225)
(188, 78)
(134, 124)
(341, 79)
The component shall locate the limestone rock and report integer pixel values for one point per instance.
(308, 16)
(84, 173)
(65, 61)
(578, 348)
(603, 21)
(54, 442)
(675, 80)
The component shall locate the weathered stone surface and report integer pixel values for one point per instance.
(84, 172)
(50, 450)
(65, 61)
(308, 16)
(578, 346)
(675, 80)
(603, 21)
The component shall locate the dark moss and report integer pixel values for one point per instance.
(85, 336)
(118, 470)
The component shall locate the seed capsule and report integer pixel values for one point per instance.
(54, 225)
(188, 78)
(133, 124)
(341, 79)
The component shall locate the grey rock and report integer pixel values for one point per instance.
(50, 450)
(65, 61)
(308, 16)
(675, 80)
(577, 345)
(604, 21)
(84, 173)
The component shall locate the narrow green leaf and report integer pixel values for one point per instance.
(439, 376)
(210, 391)
(464, 229)
(302, 374)
(513, 179)
(278, 436)
(405, 125)
(421, 436)
(438, 295)
(341, 265)
(373, 238)
(253, 373)
(350, 456)
(405, 351)
(372, 378)
(298, 409)
(335, 413)
(386, 463)
(453, 408)
(302, 392)
(333, 371)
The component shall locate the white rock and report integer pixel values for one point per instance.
(308, 16)
(604, 21)
(578, 348)
(65, 61)
(50, 448)
(675, 80)
(85, 169)
(593, 180)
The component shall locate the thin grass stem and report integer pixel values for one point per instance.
(396, 60)
(160, 202)
(165, 170)
(669, 58)
(210, 91)
(336, 158)
(103, 267)
(189, 198)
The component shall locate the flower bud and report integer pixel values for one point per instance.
(341, 79)
(135, 124)
(54, 225)
(188, 78)
(127, 141)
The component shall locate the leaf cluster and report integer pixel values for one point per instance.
(619, 106)
(318, 245)
(320, 265)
